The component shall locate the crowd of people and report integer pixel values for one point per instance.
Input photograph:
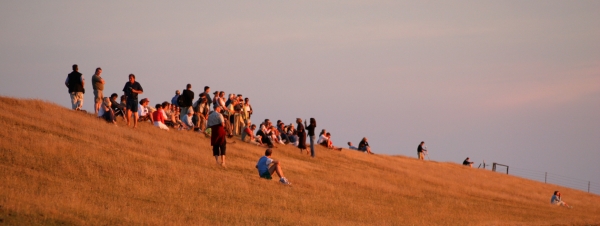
(230, 116)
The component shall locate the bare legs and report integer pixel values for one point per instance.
(277, 169)
(222, 160)
(135, 117)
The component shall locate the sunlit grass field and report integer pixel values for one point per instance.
(60, 167)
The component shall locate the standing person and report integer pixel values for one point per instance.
(301, 136)
(207, 95)
(311, 134)
(201, 109)
(247, 108)
(131, 91)
(364, 145)
(218, 138)
(98, 85)
(187, 98)
(420, 150)
(557, 200)
(75, 83)
(175, 98)
(267, 166)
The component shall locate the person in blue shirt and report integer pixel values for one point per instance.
(267, 166)
(557, 200)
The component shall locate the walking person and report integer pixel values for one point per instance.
(98, 85)
(422, 148)
(311, 134)
(75, 83)
(131, 91)
(301, 136)
(218, 138)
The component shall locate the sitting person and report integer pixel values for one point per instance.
(264, 135)
(293, 137)
(364, 146)
(107, 112)
(116, 107)
(275, 135)
(352, 147)
(143, 111)
(267, 166)
(159, 117)
(247, 131)
(188, 123)
(325, 140)
(556, 200)
(467, 163)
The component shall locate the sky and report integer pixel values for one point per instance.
(512, 82)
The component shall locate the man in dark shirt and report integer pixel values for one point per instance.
(131, 91)
(468, 163)
(207, 95)
(363, 145)
(420, 149)
(75, 84)
(188, 97)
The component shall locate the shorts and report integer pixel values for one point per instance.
(98, 96)
(363, 148)
(266, 175)
(132, 105)
(222, 148)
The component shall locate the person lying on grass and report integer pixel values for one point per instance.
(557, 200)
(267, 166)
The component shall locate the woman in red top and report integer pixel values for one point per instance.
(159, 119)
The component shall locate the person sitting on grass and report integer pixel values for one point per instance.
(107, 112)
(143, 113)
(352, 147)
(364, 146)
(325, 140)
(159, 118)
(119, 110)
(556, 200)
(467, 163)
(188, 123)
(267, 166)
(293, 137)
(248, 132)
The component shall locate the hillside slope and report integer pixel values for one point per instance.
(60, 167)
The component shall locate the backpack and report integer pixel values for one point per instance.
(180, 101)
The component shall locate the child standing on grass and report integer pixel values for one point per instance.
(267, 166)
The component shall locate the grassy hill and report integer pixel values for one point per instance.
(60, 167)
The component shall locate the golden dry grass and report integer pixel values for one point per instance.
(60, 167)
